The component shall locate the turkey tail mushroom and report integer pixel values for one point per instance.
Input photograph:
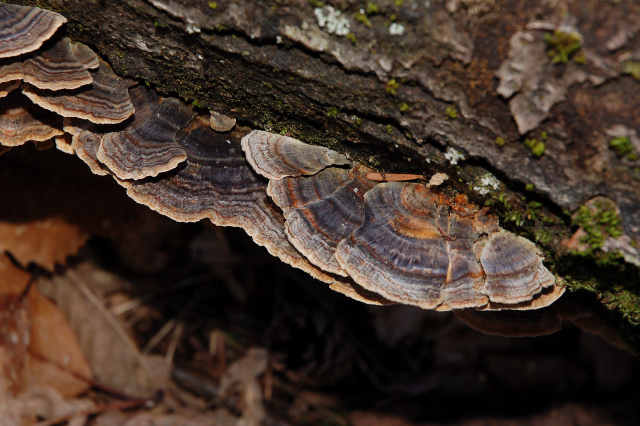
(105, 101)
(55, 68)
(24, 29)
(413, 249)
(149, 149)
(275, 156)
(322, 210)
(406, 242)
(217, 183)
(21, 121)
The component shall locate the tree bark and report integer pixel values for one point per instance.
(533, 93)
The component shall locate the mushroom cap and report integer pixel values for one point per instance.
(64, 143)
(55, 68)
(322, 210)
(86, 144)
(413, 249)
(87, 136)
(85, 55)
(149, 149)
(220, 122)
(24, 29)
(145, 101)
(463, 285)
(513, 268)
(398, 251)
(8, 87)
(21, 121)
(275, 156)
(352, 290)
(106, 101)
(217, 183)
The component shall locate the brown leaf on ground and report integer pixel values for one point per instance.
(45, 402)
(54, 357)
(218, 417)
(44, 242)
(36, 345)
(15, 314)
(244, 374)
(112, 354)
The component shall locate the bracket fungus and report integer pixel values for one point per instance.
(407, 242)
(149, 149)
(105, 101)
(55, 68)
(322, 210)
(21, 121)
(220, 122)
(8, 87)
(217, 183)
(24, 29)
(275, 156)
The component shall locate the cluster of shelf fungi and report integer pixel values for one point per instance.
(376, 242)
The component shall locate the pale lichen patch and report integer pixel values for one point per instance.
(332, 20)
(453, 155)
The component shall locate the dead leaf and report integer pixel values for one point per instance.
(244, 374)
(54, 354)
(114, 358)
(46, 403)
(44, 242)
(15, 333)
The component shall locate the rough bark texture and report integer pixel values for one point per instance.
(530, 92)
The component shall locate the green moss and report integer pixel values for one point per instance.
(362, 17)
(529, 187)
(536, 146)
(389, 128)
(451, 111)
(623, 148)
(580, 58)
(333, 112)
(599, 222)
(352, 38)
(399, 2)
(404, 107)
(632, 68)
(612, 282)
(500, 142)
(392, 87)
(542, 236)
(196, 104)
(160, 24)
(372, 9)
(516, 217)
(562, 45)
(212, 5)
(316, 3)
